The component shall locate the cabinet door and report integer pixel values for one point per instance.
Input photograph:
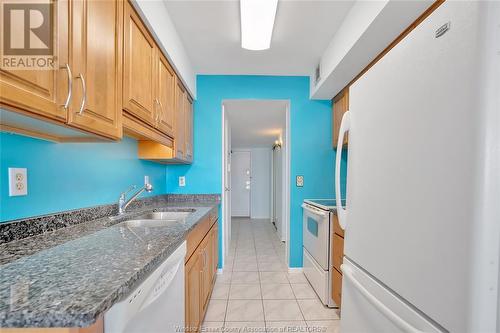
(215, 250)
(165, 95)
(138, 68)
(188, 107)
(42, 92)
(96, 32)
(336, 287)
(340, 106)
(338, 251)
(206, 250)
(180, 125)
(193, 274)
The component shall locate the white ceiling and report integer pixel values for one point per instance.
(210, 32)
(256, 123)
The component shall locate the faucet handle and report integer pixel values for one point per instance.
(147, 185)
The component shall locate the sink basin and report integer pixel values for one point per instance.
(150, 223)
(158, 219)
(165, 216)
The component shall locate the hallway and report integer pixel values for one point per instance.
(257, 292)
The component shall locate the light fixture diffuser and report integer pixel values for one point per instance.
(257, 22)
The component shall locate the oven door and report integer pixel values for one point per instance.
(316, 230)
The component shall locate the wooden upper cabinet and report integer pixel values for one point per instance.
(96, 65)
(165, 92)
(139, 63)
(188, 134)
(180, 110)
(41, 92)
(340, 106)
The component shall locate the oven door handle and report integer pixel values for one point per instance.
(314, 210)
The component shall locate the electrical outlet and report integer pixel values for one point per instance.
(18, 181)
(182, 181)
(299, 181)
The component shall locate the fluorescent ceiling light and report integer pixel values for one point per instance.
(257, 21)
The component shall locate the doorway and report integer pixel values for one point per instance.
(256, 167)
(241, 183)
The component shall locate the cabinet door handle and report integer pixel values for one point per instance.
(84, 99)
(161, 109)
(157, 114)
(70, 86)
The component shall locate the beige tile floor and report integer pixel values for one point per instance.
(255, 293)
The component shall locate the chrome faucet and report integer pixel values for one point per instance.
(123, 203)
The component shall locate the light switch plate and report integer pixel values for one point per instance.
(299, 181)
(182, 181)
(18, 181)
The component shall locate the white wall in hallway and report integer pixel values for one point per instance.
(260, 197)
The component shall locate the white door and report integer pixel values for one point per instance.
(412, 161)
(240, 183)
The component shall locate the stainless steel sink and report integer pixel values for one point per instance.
(149, 223)
(158, 219)
(165, 215)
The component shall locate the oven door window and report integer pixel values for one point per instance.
(312, 226)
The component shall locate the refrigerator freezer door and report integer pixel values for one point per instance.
(412, 160)
(367, 306)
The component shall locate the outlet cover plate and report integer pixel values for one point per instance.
(182, 181)
(18, 181)
(299, 181)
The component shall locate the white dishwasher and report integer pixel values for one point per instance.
(157, 305)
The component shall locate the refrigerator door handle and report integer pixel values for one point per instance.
(344, 127)
(398, 321)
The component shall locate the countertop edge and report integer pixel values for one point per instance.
(84, 319)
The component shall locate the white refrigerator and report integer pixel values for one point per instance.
(422, 216)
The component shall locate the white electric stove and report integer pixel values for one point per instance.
(318, 264)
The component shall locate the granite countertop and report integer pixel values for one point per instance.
(69, 277)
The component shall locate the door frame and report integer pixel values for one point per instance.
(226, 217)
(226, 188)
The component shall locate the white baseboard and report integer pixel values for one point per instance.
(293, 270)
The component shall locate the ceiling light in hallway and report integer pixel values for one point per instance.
(257, 22)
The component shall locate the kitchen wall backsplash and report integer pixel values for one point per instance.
(64, 176)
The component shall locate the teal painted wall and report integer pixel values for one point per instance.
(311, 153)
(71, 175)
